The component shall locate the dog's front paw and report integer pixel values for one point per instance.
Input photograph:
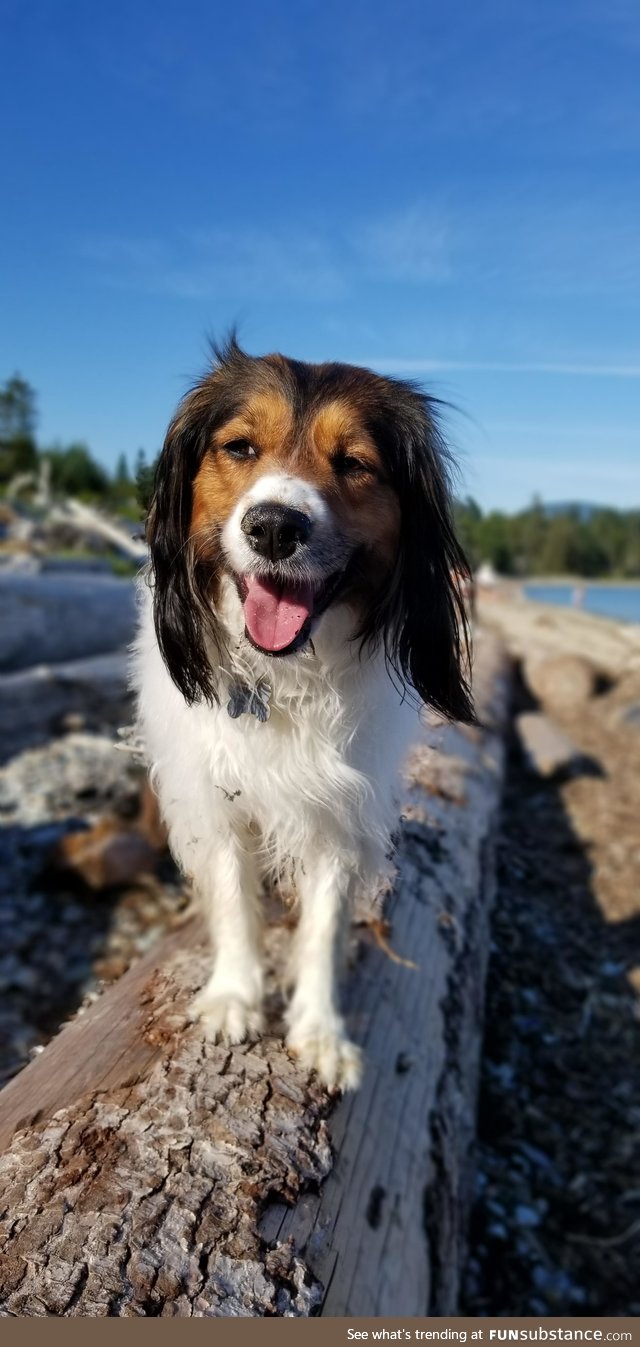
(327, 1051)
(227, 1018)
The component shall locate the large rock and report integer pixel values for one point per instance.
(561, 682)
(77, 776)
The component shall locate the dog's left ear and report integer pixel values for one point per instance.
(425, 624)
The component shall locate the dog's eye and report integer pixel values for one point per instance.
(348, 465)
(240, 449)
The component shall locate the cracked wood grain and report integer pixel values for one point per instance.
(146, 1172)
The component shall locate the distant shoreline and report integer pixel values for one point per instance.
(574, 580)
(608, 598)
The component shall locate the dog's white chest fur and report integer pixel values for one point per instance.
(311, 788)
(324, 761)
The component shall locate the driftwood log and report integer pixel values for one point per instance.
(537, 631)
(92, 523)
(144, 1171)
(49, 617)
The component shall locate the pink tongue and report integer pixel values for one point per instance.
(275, 615)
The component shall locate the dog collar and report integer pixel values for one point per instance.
(245, 699)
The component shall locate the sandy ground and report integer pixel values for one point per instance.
(556, 1226)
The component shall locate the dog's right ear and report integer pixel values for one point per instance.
(184, 619)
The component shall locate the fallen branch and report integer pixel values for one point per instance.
(87, 520)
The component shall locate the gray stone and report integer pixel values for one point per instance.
(78, 775)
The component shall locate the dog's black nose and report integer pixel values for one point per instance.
(275, 531)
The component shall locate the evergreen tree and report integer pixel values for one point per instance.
(18, 452)
(145, 474)
(75, 473)
(122, 477)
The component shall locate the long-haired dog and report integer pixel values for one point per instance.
(302, 588)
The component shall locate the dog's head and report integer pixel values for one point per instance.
(308, 486)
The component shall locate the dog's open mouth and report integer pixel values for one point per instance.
(278, 615)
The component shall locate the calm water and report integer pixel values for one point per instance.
(618, 601)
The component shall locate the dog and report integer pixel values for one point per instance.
(302, 601)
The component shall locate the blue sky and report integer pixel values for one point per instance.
(450, 192)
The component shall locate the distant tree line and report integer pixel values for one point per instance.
(568, 540)
(537, 541)
(73, 469)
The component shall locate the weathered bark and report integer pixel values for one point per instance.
(147, 1172)
(49, 618)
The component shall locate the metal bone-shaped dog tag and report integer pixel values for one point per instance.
(255, 701)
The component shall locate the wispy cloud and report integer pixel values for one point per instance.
(413, 244)
(206, 264)
(428, 365)
(483, 250)
(515, 240)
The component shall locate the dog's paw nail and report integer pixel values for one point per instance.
(336, 1060)
(226, 1018)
